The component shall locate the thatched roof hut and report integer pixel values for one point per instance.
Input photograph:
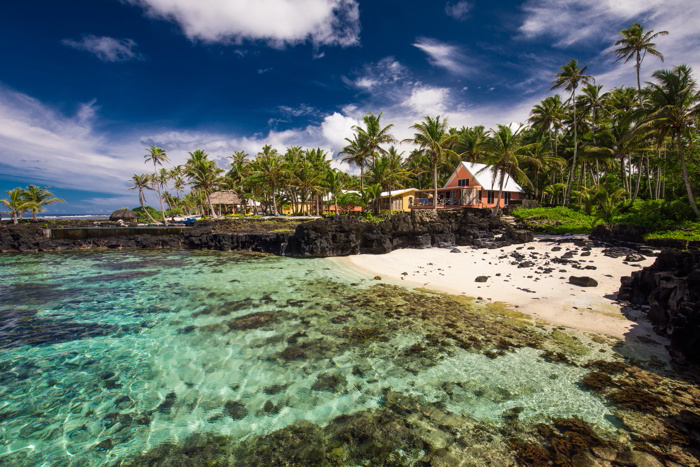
(126, 215)
(224, 197)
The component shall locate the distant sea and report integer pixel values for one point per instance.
(71, 216)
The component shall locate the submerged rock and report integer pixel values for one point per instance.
(331, 382)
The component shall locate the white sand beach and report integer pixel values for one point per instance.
(547, 296)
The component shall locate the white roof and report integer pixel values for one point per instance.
(398, 192)
(485, 177)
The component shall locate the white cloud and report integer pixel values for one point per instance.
(64, 151)
(571, 21)
(443, 55)
(459, 10)
(107, 49)
(335, 128)
(386, 71)
(300, 111)
(427, 100)
(277, 22)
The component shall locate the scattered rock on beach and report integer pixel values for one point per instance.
(634, 258)
(481, 279)
(583, 281)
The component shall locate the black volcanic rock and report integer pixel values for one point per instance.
(583, 281)
(671, 289)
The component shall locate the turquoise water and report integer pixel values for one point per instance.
(104, 355)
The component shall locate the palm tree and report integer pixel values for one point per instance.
(333, 181)
(505, 153)
(636, 44)
(158, 156)
(471, 145)
(142, 182)
(547, 116)
(357, 152)
(374, 135)
(269, 170)
(675, 104)
(40, 197)
(205, 177)
(17, 204)
(570, 77)
(395, 174)
(432, 136)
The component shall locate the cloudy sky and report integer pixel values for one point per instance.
(85, 86)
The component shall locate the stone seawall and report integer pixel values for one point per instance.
(336, 236)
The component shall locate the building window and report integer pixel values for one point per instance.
(463, 182)
(490, 197)
(506, 197)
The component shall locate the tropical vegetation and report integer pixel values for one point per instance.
(594, 150)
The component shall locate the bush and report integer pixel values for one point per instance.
(143, 217)
(654, 214)
(557, 220)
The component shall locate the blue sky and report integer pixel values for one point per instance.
(85, 86)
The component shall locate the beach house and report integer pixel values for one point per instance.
(471, 185)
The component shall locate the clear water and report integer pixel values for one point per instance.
(104, 355)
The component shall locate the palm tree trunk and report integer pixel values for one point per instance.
(684, 168)
(14, 218)
(160, 198)
(434, 184)
(362, 176)
(573, 163)
(274, 199)
(639, 179)
(34, 215)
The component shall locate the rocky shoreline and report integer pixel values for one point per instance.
(337, 236)
(669, 292)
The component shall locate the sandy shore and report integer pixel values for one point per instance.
(546, 296)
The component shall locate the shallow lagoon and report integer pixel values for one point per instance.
(106, 355)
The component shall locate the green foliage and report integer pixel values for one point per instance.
(689, 231)
(655, 215)
(557, 220)
(143, 217)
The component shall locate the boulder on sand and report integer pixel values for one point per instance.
(126, 215)
(583, 281)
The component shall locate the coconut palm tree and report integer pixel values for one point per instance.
(433, 137)
(206, 177)
(675, 107)
(143, 182)
(547, 116)
(374, 135)
(357, 152)
(17, 204)
(395, 174)
(570, 77)
(471, 145)
(269, 170)
(40, 197)
(157, 156)
(505, 156)
(333, 181)
(635, 44)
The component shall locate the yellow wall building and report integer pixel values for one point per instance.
(401, 200)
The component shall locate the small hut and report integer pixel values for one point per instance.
(126, 215)
(225, 202)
